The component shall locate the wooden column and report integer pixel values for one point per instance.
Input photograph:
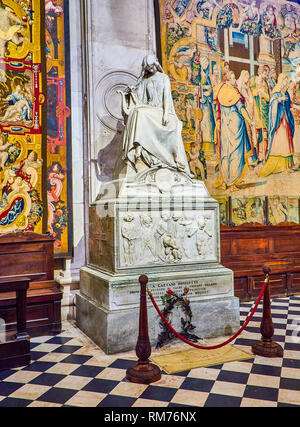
(21, 309)
(266, 347)
(143, 372)
(15, 351)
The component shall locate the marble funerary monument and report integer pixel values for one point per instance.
(153, 219)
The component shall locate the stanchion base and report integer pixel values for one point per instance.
(143, 374)
(267, 349)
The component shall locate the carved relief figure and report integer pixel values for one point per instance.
(202, 235)
(148, 241)
(129, 234)
(167, 247)
(153, 132)
(162, 229)
(172, 251)
(183, 229)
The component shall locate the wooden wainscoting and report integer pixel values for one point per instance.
(247, 248)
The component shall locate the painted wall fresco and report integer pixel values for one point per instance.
(22, 146)
(235, 73)
(59, 183)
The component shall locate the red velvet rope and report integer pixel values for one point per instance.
(213, 347)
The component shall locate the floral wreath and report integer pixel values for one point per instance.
(171, 300)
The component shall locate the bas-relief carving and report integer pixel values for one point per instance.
(129, 234)
(167, 237)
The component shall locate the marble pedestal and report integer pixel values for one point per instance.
(164, 225)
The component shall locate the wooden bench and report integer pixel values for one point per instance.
(31, 255)
(15, 348)
(245, 249)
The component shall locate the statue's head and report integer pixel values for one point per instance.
(128, 218)
(165, 215)
(201, 221)
(150, 65)
(146, 220)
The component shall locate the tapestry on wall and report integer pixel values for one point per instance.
(235, 73)
(59, 178)
(22, 121)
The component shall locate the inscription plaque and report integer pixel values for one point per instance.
(198, 288)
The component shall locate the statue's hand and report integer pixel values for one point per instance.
(165, 119)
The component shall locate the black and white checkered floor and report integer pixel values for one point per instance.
(69, 370)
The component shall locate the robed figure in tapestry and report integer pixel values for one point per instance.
(281, 131)
(234, 136)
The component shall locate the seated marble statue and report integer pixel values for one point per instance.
(152, 130)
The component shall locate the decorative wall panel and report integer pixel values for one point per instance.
(22, 119)
(235, 73)
(59, 177)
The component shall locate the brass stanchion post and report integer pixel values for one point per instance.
(143, 372)
(266, 347)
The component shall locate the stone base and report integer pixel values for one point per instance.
(112, 321)
(165, 225)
